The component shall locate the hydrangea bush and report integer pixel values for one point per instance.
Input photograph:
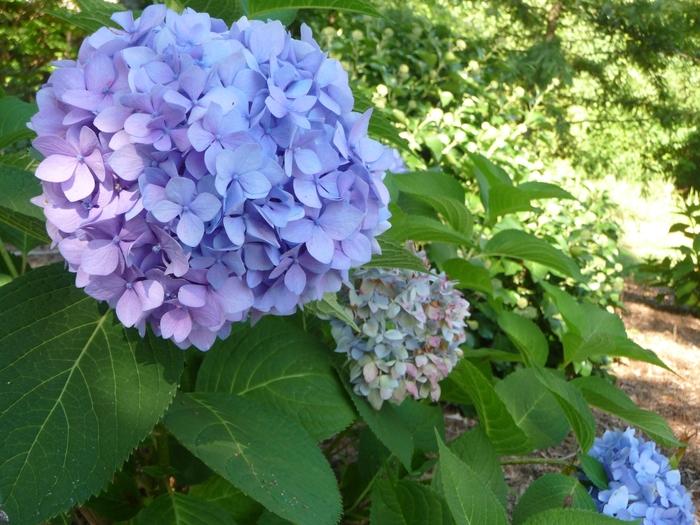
(200, 177)
(411, 325)
(642, 484)
(196, 173)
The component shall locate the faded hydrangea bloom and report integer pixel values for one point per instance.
(195, 173)
(642, 484)
(411, 326)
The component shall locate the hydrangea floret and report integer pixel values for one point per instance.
(411, 325)
(196, 174)
(642, 484)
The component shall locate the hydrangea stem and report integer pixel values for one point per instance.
(8, 260)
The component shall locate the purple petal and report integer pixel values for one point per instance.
(112, 118)
(177, 324)
(206, 206)
(305, 190)
(194, 295)
(235, 229)
(340, 220)
(307, 161)
(255, 184)
(297, 231)
(180, 190)
(320, 245)
(56, 168)
(100, 258)
(81, 185)
(129, 309)
(165, 211)
(150, 292)
(295, 279)
(190, 229)
(127, 162)
(235, 296)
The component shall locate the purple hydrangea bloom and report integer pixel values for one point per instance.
(408, 327)
(197, 174)
(642, 484)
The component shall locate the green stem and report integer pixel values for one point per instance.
(8, 260)
(536, 461)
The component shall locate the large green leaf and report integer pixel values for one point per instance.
(533, 407)
(17, 186)
(505, 198)
(77, 393)
(470, 502)
(572, 403)
(259, 8)
(228, 10)
(487, 175)
(219, 491)
(20, 226)
(270, 457)
(279, 365)
(468, 275)
(574, 517)
(93, 14)
(593, 331)
(424, 229)
(551, 491)
(607, 397)
(405, 502)
(526, 336)
(441, 192)
(394, 255)
(520, 245)
(14, 115)
(467, 385)
(393, 426)
(174, 508)
(475, 449)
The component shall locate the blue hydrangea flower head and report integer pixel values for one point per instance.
(642, 484)
(411, 326)
(196, 174)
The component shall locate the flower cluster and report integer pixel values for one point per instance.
(196, 173)
(411, 325)
(642, 485)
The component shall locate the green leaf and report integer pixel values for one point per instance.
(573, 517)
(269, 457)
(14, 115)
(594, 470)
(534, 408)
(593, 331)
(475, 449)
(551, 491)
(492, 354)
(93, 14)
(467, 385)
(394, 255)
(219, 491)
(260, 8)
(544, 190)
(487, 175)
(392, 426)
(526, 336)
(470, 502)
(407, 502)
(174, 508)
(441, 192)
(517, 244)
(228, 10)
(282, 367)
(611, 399)
(469, 276)
(22, 225)
(17, 186)
(424, 229)
(572, 403)
(77, 393)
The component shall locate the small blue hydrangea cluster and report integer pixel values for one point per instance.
(411, 326)
(642, 484)
(196, 173)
